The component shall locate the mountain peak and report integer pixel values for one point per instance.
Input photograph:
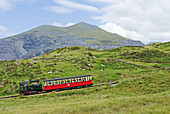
(84, 25)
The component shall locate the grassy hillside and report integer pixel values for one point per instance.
(90, 100)
(142, 72)
(104, 65)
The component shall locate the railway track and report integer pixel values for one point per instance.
(15, 96)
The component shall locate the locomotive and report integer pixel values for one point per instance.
(35, 86)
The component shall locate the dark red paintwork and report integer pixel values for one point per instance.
(67, 85)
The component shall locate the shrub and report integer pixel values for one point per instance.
(90, 54)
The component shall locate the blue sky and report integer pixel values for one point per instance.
(23, 15)
(139, 20)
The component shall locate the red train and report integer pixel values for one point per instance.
(27, 87)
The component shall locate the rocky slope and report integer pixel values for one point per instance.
(45, 38)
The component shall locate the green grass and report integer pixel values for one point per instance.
(143, 82)
(89, 100)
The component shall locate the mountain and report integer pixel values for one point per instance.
(45, 38)
(150, 43)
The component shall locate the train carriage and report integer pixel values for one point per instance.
(55, 84)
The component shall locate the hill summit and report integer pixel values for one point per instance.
(46, 37)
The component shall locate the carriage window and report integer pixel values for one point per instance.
(74, 80)
(78, 79)
(62, 81)
(66, 81)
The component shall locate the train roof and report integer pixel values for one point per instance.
(29, 81)
(67, 78)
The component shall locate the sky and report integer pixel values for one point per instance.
(144, 20)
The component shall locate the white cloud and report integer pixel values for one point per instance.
(78, 6)
(111, 27)
(104, 1)
(6, 5)
(2, 29)
(58, 9)
(57, 24)
(69, 24)
(137, 19)
(4, 33)
(61, 25)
